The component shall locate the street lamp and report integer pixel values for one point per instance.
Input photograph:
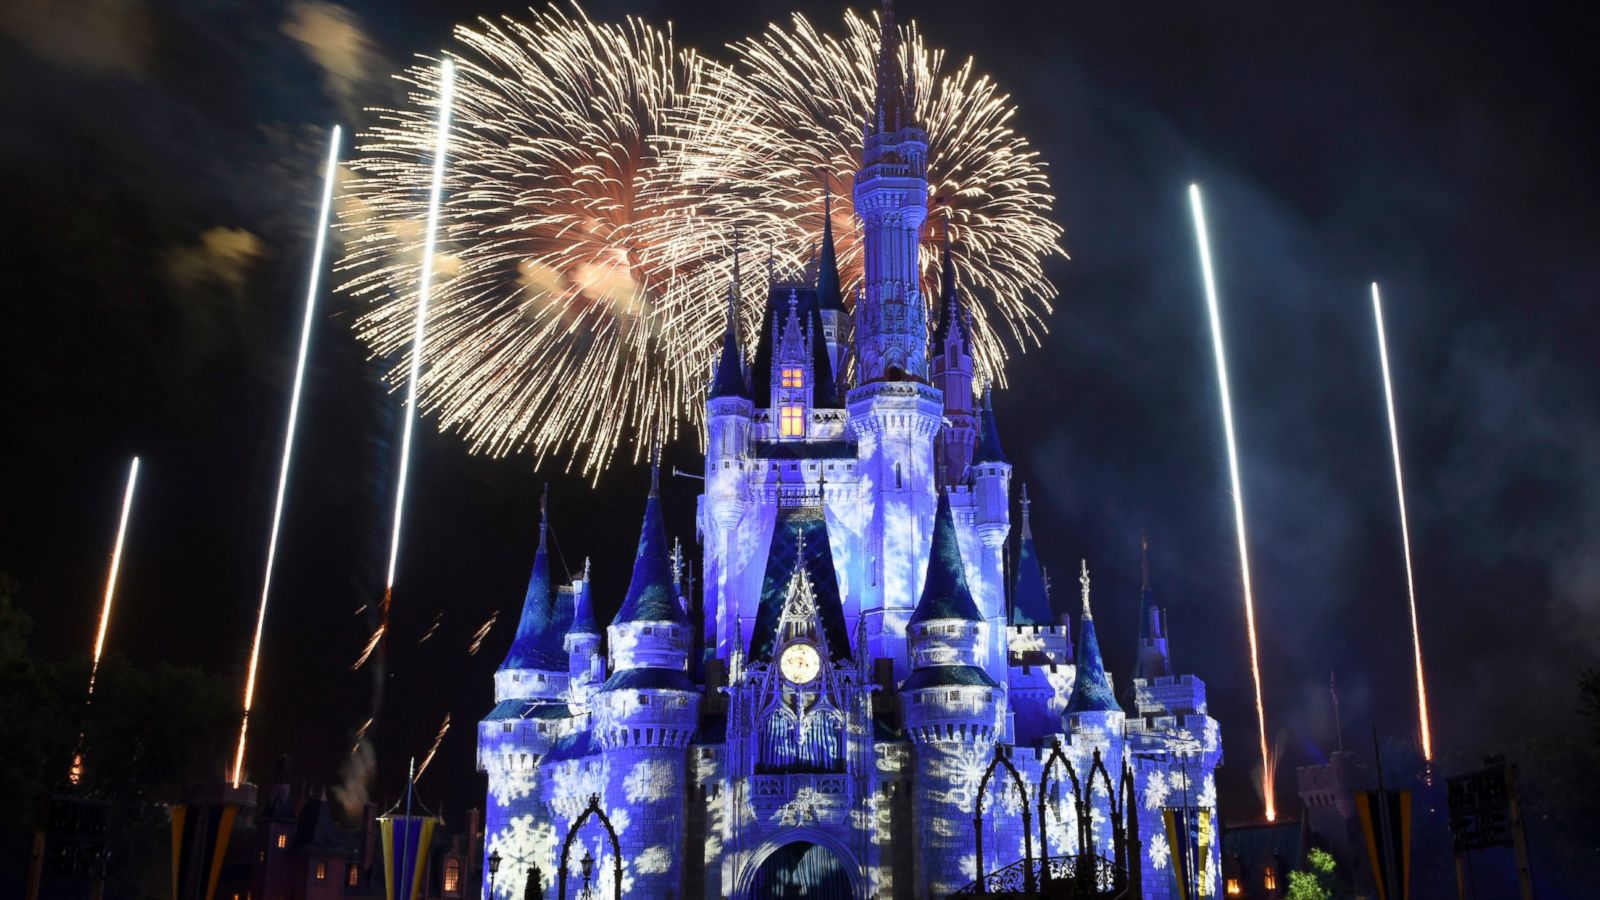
(588, 870)
(494, 866)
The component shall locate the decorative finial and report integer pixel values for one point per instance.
(677, 560)
(772, 265)
(655, 469)
(1144, 558)
(827, 203)
(1083, 579)
(544, 512)
(1025, 504)
(586, 570)
(738, 248)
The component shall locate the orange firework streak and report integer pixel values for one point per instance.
(76, 773)
(1238, 496)
(1405, 530)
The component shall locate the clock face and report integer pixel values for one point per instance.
(800, 663)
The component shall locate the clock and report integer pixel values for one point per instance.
(800, 663)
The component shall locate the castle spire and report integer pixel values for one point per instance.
(891, 110)
(1153, 659)
(652, 596)
(1030, 599)
(829, 297)
(1091, 688)
(945, 594)
(952, 313)
(989, 449)
(537, 644)
(729, 380)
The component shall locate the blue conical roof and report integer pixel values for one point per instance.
(1091, 688)
(651, 596)
(944, 590)
(830, 298)
(952, 313)
(989, 450)
(1030, 602)
(729, 380)
(583, 614)
(537, 644)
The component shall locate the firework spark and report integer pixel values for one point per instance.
(481, 633)
(601, 176)
(1204, 242)
(809, 92)
(437, 740)
(76, 772)
(372, 644)
(330, 175)
(1405, 529)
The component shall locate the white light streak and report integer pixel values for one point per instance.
(1405, 530)
(111, 576)
(447, 76)
(1238, 495)
(330, 175)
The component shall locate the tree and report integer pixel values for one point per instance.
(1317, 881)
(535, 886)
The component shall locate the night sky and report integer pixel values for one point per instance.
(161, 164)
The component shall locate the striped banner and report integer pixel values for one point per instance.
(405, 854)
(200, 835)
(1386, 825)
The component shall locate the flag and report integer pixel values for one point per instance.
(405, 854)
(1386, 825)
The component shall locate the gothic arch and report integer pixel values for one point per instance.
(808, 835)
(1001, 758)
(616, 848)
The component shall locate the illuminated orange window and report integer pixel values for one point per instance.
(1232, 887)
(791, 422)
(353, 878)
(283, 840)
(322, 871)
(1269, 879)
(794, 378)
(452, 875)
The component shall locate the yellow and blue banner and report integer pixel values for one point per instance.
(405, 854)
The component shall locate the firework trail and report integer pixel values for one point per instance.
(481, 633)
(1204, 242)
(330, 174)
(809, 92)
(76, 773)
(600, 177)
(1405, 529)
(437, 740)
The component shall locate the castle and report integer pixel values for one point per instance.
(822, 716)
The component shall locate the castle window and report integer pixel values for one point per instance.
(794, 378)
(353, 876)
(792, 423)
(452, 875)
(322, 870)
(1232, 888)
(644, 699)
(283, 840)
(1269, 879)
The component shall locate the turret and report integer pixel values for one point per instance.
(953, 709)
(952, 375)
(1093, 703)
(646, 711)
(586, 667)
(535, 668)
(730, 409)
(990, 474)
(1154, 660)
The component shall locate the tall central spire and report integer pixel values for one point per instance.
(892, 109)
(891, 195)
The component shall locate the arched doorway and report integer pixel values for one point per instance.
(801, 869)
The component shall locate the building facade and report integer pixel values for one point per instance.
(818, 717)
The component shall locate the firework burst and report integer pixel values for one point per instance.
(600, 178)
(810, 92)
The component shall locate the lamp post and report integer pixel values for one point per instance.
(588, 871)
(494, 866)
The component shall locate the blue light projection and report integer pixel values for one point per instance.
(824, 728)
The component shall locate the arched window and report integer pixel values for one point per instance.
(452, 876)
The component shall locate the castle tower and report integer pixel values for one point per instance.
(954, 711)
(645, 714)
(895, 415)
(535, 668)
(793, 378)
(586, 667)
(830, 298)
(991, 487)
(730, 409)
(1093, 717)
(952, 375)
(1039, 647)
(1154, 660)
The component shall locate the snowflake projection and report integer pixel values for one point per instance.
(1061, 685)
(511, 775)
(1160, 853)
(654, 861)
(522, 844)
(1157, 788)
(807, 805)
(1208, 793)
(962, 770)
(1212, 739)
(650, 781)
